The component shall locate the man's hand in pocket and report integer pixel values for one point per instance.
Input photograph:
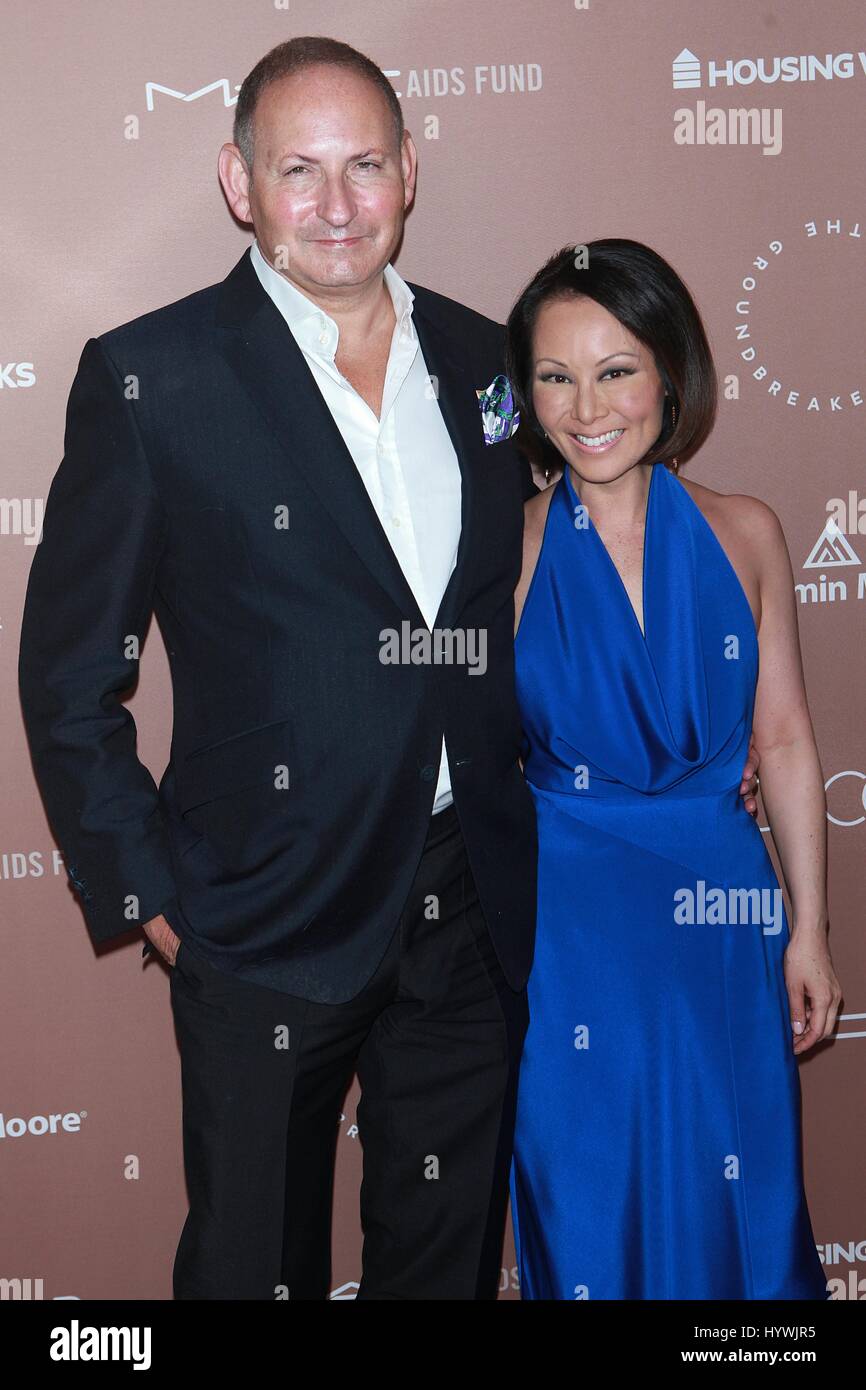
(160, 934)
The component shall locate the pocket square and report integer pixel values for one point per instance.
(498, 415)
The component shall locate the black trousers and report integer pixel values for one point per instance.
(435, 1037)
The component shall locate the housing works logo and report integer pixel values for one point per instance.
(844, 1283)
(15, 374)
(687, 69)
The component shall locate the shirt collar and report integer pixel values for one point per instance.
(314, 330)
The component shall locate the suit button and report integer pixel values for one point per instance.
(428, 773)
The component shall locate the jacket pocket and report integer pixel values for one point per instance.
(254, 757)
(238, 794)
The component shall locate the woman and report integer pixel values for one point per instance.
(657, 1141)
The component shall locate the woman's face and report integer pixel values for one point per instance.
(596, 389)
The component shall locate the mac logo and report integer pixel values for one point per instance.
(222, 84)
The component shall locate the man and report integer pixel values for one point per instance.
(289, 468)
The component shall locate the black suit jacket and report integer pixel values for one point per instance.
(204, 479)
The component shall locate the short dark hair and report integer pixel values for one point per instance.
(293, 56)
(647, 296)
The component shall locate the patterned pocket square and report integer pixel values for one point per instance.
(499, 417)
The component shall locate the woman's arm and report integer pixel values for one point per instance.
(792, 784)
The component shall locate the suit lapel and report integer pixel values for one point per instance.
(459, 406)
(256, 341)
(262, 351)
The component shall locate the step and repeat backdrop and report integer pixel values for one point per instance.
(729, 138)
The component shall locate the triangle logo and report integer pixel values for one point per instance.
(831, 548)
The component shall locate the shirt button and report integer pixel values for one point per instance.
(428, 773)
(323, 337)
(395, 520)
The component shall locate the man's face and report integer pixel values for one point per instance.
(330, 185)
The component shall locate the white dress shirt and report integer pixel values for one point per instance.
(406, 459)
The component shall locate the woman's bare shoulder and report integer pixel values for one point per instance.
(743, 519)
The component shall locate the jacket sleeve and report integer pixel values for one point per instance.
(88, 603)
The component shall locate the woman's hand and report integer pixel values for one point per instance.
(751, 781)
(814, 993)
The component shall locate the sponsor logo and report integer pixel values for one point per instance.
(859, 778)
(831, 548)
(15, 374)
(687, 70)
(779, 385)
(832, 551)
(16, 1127)
(229, 94)
(497, 79)
(834, 1253)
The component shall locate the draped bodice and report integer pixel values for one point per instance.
(615, 713)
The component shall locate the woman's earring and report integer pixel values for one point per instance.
(547, 469)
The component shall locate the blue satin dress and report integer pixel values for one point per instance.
(657, 1142)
